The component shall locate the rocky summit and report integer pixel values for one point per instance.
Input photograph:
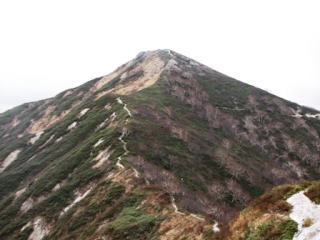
(163, 148)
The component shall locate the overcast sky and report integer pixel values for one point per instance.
(49, 46)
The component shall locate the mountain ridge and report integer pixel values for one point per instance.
(161, 125)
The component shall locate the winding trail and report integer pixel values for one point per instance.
(136, 173)
(124, 133)
(176, 210)
(175, 207)
(124, 146)
(197, 217)
(124, 143)
(127, 110)
(215, 227)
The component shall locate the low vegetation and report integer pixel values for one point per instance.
(132, 224)
(307, 222)
(211, 141)
(274, 229)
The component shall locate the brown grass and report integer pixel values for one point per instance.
(313, 192)
(307, 222)
(269, 205)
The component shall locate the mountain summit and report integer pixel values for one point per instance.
(162, 148)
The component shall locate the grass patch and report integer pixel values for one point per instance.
(225, 92)
(114, 192)
(132, 224)
(273, 230)
(313, 192)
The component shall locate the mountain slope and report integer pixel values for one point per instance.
(132, 154)
(285, 212)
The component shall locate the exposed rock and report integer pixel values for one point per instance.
(79, 196)
(102, 157)
(46, 120)
(20, 192)
(40, 229)
(83, 112)
(27, 205)
(98, 143)
(36, 137)
(152, 67)
(9, 159)
(72, 125)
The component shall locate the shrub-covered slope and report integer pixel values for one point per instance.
(162, 148)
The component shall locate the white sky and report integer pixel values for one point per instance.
(49, 46)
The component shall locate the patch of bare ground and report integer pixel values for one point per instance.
(152, 67)
(46, 120)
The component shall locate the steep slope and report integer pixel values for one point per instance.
(162, 148)
(218, 142)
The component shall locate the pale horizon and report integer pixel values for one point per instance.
(47, 48)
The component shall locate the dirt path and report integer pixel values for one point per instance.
(136, 173)
(124, 143)
(176, 210)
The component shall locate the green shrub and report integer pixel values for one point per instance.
(114, 192)
(24, 235)
(85, 217)
(288, 229)
(274, 229)
(226, 93)
(132, 224)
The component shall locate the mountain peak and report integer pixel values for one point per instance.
(156, 51)
(161, 147)
(141, 72)
(145, 69)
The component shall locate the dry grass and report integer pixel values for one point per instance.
(313, 192)
(270, 205)
(307, 222)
